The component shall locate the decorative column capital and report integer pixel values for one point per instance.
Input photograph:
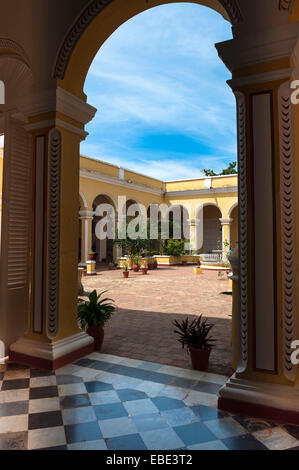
(86, 215)
(51, 102)
(226, 221)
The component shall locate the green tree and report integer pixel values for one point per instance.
(232, 169)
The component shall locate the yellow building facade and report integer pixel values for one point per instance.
(44, 119)
(210, 205)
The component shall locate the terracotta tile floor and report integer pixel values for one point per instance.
(142, 328)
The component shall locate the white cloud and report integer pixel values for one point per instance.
(160, 73)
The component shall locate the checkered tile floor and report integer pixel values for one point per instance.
(106, 402)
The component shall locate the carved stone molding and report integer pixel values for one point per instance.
(288, 225)
(76, 31)
(285, 4)
(233, 10)
(243, 238)
(53, 232)
(88, 15)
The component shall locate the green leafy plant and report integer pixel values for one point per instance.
(96, 311)
(173, 247)
(195, 333)
(136, 260)
(125, 267)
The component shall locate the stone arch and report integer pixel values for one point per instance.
(87, 34)
(232, 208)
(82, 201)
(104, 249)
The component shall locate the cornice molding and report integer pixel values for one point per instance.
(58, 100)
(201, 192)
(260, 48)
(103, 178)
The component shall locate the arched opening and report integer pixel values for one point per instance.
(187, 227)
(212, 231)
(104, 208)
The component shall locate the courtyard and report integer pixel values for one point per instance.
(142, 328)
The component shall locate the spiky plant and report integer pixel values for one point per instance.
(195, 333)
(96, 311)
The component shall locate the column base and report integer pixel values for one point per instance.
(51, 356)
(278, 403)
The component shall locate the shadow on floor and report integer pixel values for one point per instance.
(149, 336)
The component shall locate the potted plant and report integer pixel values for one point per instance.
(93, 314)
(155, 264)
(136, 263)
(91, 255)
(111, 266)
(195, 335)
(144, 270)
(126, 270)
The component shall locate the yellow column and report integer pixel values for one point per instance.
(266, 382)
(53, 337)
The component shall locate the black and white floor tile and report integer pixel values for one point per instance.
(105, 402)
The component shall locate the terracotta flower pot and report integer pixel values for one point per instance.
(155, 265)
(126, 274)
(151, 266)
(135, 268)
(98, 333)
(199, 358)
(144, 270)
(111, 268)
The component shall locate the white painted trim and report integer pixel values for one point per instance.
(201, 178)
(83, 199)
(108, 196)
(85, 215)
(201, 192)
(205, 204)
(261, 393)
(103, 178)
(51, 351)
(232, 208)
(226, 221)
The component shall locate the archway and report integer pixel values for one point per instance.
(186, 224)
(103, 248)
(212, 231)
(262, 72)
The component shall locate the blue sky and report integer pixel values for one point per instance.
(164, 108)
